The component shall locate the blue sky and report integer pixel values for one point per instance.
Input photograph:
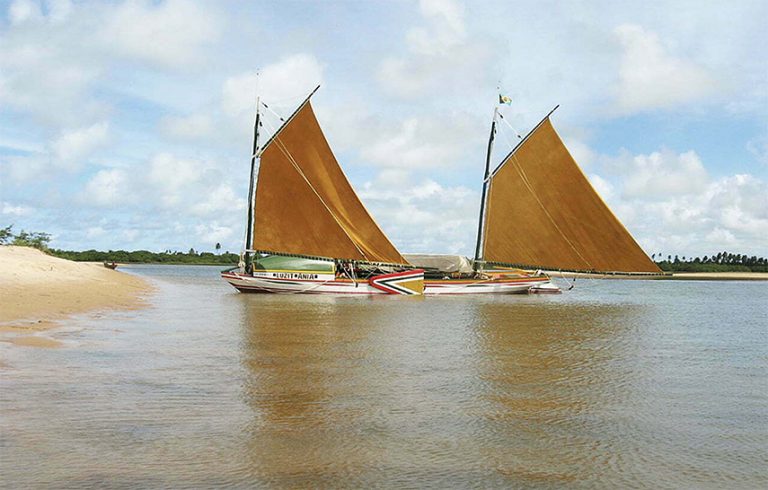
(127, 124)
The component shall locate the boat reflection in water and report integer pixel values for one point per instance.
(475, 391)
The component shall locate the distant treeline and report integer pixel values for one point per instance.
(40, 241)
(721, 262)
(147, 257)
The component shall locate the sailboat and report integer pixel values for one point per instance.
(308, 232)
(539, 211)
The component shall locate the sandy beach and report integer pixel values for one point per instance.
(678, 276)
(37, 291)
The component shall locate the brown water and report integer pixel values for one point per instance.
(613, 384)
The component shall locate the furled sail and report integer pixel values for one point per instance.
(305, 204)
(543, 213)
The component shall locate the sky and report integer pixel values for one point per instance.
(127, 124)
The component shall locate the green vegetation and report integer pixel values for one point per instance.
(41, 240)
(147, 257)
(722, 262)
(24, 239)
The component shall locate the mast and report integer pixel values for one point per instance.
(256, 155)
(252, 187)
(483, 199)
(288, 120)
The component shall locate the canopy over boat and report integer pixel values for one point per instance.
(440, 262)
(304, 203)
(541, 212)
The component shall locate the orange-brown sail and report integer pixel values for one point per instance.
(543, 213)
(305, 204)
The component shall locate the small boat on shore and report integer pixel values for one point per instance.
(110, 265)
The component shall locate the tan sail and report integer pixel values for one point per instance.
(543, 213)
(305, 204)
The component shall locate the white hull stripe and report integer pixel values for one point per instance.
(246, 283)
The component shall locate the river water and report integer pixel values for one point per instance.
(660, 384)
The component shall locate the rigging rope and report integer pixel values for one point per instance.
(510, 127)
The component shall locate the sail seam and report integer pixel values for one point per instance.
(288, 155)
(524, 178)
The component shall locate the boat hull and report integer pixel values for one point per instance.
(249, 284)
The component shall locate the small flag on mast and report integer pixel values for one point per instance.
(503, 99)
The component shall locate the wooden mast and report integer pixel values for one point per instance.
(252, 188)
(483, 199)
(255, 155)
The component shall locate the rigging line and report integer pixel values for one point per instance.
(285, 152)
(273, 112)
(509, 142)
(517, 133)
(524, 178)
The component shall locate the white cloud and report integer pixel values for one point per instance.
(417, 143)
(663, 174)
(107, 188)
(214, 233)
(171, 33)
(21, 11)
(187, 128)
(438, 49)
(23, 169)
(758, 147)
(651, 78)
(602, 187)
(721, 236)
(580, 151)
(131, 234)
(219, 199)
(426, 217)
(10, 209)
(95, 232)
(191, 187)
(290, 78)
(672, 205)
(445, 31)
(41, 77)
(52, 59)
(417, 97)
(173, 173)
(75, 145)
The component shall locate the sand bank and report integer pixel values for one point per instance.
(680, 276)
(720, 276)
(37, 291)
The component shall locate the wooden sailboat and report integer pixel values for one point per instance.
(308, 232)
(539, 211)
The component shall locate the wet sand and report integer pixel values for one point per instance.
(37, 291)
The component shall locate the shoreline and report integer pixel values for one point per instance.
(39, 291)
(674, 276)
